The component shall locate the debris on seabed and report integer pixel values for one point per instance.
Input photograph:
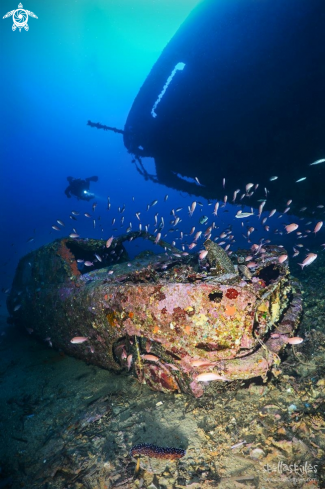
(72, 425)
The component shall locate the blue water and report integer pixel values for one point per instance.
(78, 61)
(83, 61)
(87, 60)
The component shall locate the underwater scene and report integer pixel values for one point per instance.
(162, 286)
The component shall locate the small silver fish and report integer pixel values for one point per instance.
(109, 242)
(235, 194)
(317, 162)
(192, 208)
(241, 215)
(77, 340)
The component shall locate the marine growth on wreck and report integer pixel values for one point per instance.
(171, 319)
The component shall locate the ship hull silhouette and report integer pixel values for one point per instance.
(246, 105)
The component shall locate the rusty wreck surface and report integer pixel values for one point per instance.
(167, 318)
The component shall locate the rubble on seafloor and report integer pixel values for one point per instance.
(250, 434)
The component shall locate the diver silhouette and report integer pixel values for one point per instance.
(80, 188)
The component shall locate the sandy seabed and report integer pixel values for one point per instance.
(65, 424)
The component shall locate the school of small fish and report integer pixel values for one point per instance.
(208, 224)
(208, 221)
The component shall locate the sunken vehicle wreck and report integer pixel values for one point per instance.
(167, 318)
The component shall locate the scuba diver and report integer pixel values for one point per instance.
(80, 188)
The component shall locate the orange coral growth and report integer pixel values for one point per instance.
(167, 380)
(111, 318)
(230, 310)
(68, 258)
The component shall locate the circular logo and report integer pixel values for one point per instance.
(20, 18)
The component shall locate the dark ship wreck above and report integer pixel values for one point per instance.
(238, 93)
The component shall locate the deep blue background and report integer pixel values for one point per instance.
(82, 60)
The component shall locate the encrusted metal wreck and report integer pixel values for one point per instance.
(167, 317)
